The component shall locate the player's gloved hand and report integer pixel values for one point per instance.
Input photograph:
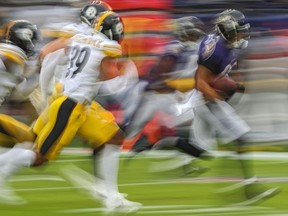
(240, 87)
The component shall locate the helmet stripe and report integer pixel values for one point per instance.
(9, 26)
(97, 27)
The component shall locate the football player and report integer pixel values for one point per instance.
(87, 15)
(17, 46)
(18, 53)
(54, 66)
(92, 60)
(53, 56)
(213, 116)
(176, 66)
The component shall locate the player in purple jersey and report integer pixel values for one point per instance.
(214, 118)
(179, 60)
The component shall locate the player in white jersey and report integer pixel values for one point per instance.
(54, 68)
(92, 60)
(53, 55)
(61, 33)
(17, 46)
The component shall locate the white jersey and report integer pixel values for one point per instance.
(12, 65)
(66, 30)
(77, 28)
(86, 53)
(55, 64)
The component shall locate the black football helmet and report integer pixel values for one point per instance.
(229, 24)
(110, 24)
(22, 33)
(189, 26)
(90, 11)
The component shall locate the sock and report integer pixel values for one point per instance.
(15, 159)
(97, 152)
(13, 152)
(164, 143)
(189, 148)
(109, 168)
(246, 165)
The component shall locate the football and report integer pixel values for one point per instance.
(225, 86)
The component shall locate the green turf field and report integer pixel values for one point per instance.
(172, 193)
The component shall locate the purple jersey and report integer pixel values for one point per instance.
(215, 55)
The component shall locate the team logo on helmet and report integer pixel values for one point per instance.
(90, 12)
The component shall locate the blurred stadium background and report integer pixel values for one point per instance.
(263, 67)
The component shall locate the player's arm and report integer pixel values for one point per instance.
(25, 87)
(203, 78)
(49, 64)
(52, 46)
(240, 87)
(109, 68)
(237, 76)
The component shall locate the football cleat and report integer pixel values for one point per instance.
(256, 198)
(119, 203)
(86, 182)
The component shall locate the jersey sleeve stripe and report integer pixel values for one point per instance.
(112, 51)
(13, 54)
(58, 34)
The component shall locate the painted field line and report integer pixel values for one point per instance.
(174, 181)
(208, 180)
(167, 153)
(21, 178)
(176, 209)
(87, 210)
(206, 211)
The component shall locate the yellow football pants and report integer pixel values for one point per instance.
(65, 118)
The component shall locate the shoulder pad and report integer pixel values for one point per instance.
(208, 46)
(13, 53)
(111, 48)
(66, 31)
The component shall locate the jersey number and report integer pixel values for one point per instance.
(78, 59)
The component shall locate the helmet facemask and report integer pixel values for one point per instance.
(24, 34)
(110, 24)
(232, 26)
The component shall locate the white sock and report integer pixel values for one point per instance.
(98, 165)
(15, 152)
(109, 168)
(15, 159)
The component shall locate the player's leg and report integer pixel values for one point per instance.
(15, 129)
(100, 129)
(64, 118)
(234, 129)
(13, 132)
